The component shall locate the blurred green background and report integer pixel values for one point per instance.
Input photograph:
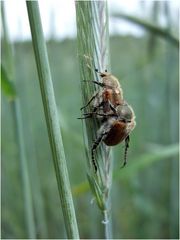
(145, 195)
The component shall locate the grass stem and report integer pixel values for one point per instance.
(93, 52)
(52, 119)
(18, 126)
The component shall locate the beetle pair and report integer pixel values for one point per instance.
(116, 116)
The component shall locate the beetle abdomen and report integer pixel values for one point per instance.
(116, 135)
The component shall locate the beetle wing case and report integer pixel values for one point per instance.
(116, 134)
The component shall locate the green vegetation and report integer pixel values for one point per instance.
(143, 205)
(7, 86)
(145, 195)
(93, 52)
(164, 33)
(52, 120)
(8, 77)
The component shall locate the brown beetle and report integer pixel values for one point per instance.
(107, 98)
(116, 116)
(115, 129)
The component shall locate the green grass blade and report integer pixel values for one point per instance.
(145, 160)
(93, 52)
(52, 119)
(150, 27)
(139, 163)
(6, 85)
(17, 117)
(27, 193)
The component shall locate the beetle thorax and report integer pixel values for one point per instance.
(111, 81)
(125, 112)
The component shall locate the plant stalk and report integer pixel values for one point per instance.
(52, 119)
(18, 126)
(150, 27)
(93, 52)
(27, 192)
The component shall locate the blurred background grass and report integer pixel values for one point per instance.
(145, 199)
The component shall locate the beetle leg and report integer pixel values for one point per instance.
(96, 82)
(105, 115)
(94, 147)
(127, 140)
(99, 83)
(102, 133)
(112, 108)
(90, 115)
(93, 97)
(87, 115)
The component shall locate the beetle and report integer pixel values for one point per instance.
(115, 129)
(116, 116)
(107, 98)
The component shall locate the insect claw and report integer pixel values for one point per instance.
(94, 162)
(80, 118)
(86, 115)
(124, 164)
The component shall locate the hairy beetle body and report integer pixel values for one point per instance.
(116, 115)
(108, 97)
